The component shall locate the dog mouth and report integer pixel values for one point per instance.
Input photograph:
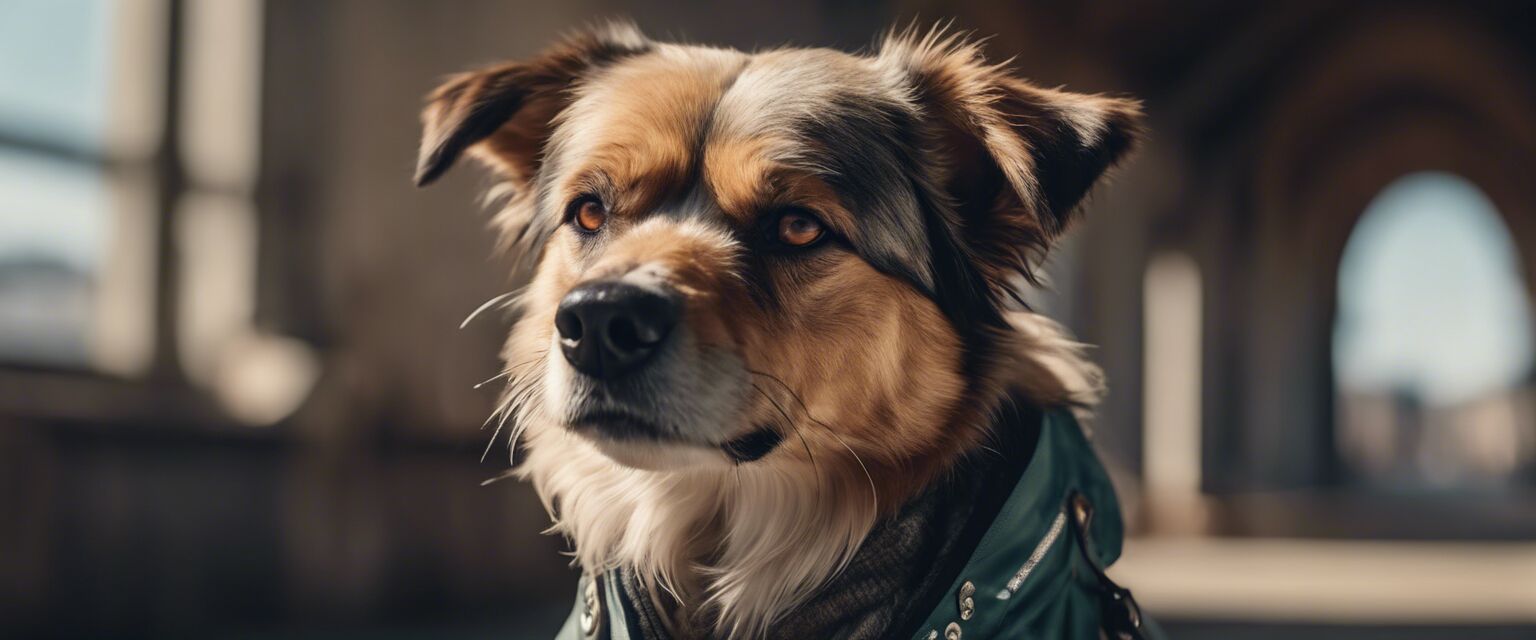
(621, 426)
(752, 446)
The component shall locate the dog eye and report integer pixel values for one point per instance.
(588, 213)
(799, 229)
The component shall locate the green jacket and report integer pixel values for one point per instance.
(1034, 571)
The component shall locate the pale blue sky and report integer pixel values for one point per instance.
(1431, 299)
(53, 68)
(53, 87)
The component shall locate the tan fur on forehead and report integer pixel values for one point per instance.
(746, 181)
(640, 122)
(740, 173)
(777, 90)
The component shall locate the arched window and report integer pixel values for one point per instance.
(1432, 345)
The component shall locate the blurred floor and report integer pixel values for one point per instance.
(1212, 630)
(128, 534)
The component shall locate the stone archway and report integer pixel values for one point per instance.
(1410, 94)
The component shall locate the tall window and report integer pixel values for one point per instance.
(129, 151)
(1432, 343)
(79, 80)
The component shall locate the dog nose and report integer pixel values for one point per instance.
(608, 328)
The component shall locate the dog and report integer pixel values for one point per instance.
(775, 297)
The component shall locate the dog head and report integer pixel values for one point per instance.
(738, 250)
(798, 266)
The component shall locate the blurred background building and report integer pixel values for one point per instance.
(235, 401)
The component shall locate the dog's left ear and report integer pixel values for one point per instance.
(501, 114)
(1018, 159)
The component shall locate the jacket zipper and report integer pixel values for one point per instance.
(1036, 556)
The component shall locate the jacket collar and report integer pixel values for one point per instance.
(1060, 512)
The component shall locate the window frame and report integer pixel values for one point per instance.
(159, 396)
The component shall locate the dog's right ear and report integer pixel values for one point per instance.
(1018, 158)
(501, 114)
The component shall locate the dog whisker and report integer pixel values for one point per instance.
(518, 428)
(498, 477)
(517, 394)
(790, 422)
(503, 410)
(798, 400)
(516, 380)
(486, 305)
(499, 424)
(874, 493)
(519, 400)
(492, 379)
